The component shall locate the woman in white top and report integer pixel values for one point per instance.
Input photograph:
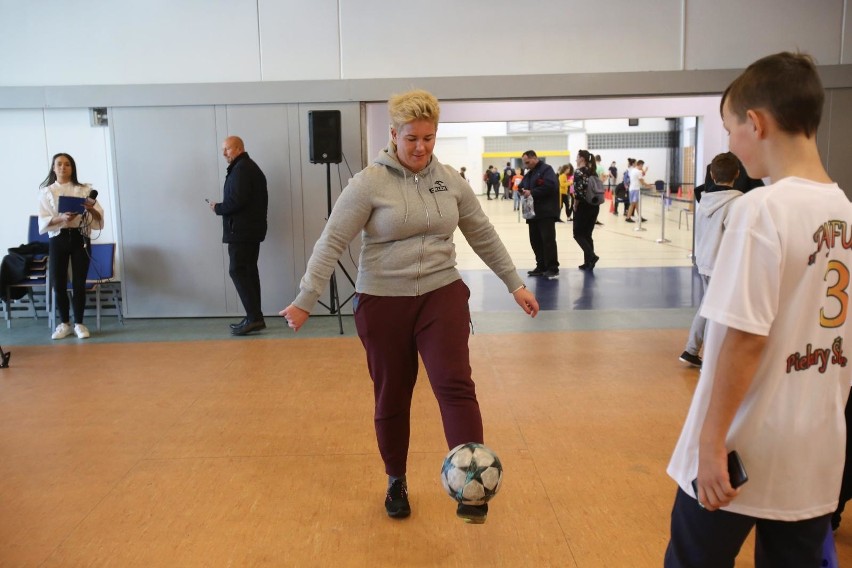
(69, 239)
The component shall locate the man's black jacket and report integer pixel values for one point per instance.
(245, 201)
(544, 186)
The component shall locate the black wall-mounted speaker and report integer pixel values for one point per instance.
(324, 134)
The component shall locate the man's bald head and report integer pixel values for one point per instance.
(232, 147)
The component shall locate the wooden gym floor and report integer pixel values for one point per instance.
(262, 453)
(167, 443)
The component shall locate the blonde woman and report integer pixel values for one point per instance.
(410, 298)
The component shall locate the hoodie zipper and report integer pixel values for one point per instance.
(422, 237)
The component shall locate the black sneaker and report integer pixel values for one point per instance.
(473, 514)
(536, 272)
(396, 501)
(629, 220)
(551, 274)
(691, 359)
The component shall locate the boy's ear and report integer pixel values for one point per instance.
(759, 121)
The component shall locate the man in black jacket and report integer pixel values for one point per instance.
(243, 211)
(541, 182)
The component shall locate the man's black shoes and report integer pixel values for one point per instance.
(248, 327)
(240, 323)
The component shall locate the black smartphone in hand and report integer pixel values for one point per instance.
(736, 472)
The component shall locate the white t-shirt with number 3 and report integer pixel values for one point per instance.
(783, 271)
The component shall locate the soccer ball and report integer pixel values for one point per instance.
(471, 474)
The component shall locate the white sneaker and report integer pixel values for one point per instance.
(81, 330)
(62, 330)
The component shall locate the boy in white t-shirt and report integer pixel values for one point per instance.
(637, 180)
(775, 376)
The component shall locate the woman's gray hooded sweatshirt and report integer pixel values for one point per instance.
(407, 222)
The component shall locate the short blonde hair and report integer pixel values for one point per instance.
(413, 105)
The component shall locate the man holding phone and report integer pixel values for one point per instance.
(243, 210)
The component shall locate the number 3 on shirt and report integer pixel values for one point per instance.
(838, 292)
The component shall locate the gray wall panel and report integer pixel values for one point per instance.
(166, 164)
(168, 160)
(732, 33)
(474, 38)
(836, 127)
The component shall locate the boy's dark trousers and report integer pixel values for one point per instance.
(705, 539)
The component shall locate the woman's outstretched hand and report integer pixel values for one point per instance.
(296, 317)
(526, 300)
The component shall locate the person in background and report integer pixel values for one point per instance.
(506, 180)
(70, 236)
(775, 378)
(603, 174)
(516, 188)
(710, 220)
(493, 182)
(463, 173)
(541, 182)
(613, 175)
(410, 299)
(566, 180)
(243, 210)
(637, 180)
(585, 214)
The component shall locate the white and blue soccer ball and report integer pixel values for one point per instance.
(471, 474)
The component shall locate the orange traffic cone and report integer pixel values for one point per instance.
(680, 191)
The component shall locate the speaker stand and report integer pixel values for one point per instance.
(334, 305)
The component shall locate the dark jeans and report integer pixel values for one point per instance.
(704, 539)
(246, 278)
(496, 187)
(543, 242)
(584, 223)
(393, 330)
(69, 246)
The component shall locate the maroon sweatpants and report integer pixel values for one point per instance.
(393, 331)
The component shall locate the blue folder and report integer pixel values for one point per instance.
(69, 204)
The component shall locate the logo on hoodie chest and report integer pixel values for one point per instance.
(439, 186)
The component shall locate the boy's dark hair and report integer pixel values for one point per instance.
(786, 85)
(725, 168)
